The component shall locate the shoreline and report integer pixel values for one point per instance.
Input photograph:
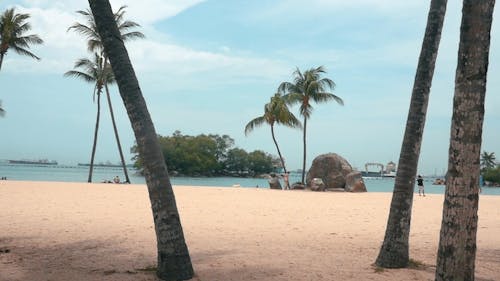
(80, 231)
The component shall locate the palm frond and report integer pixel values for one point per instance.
(254, 123)
(24, 52)
(78, 74)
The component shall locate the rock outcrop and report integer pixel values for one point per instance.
(354, 182)
(331, 168)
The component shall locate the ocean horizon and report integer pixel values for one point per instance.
(73, 173)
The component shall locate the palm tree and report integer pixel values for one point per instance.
(306, 88)
(457, 242)
(275, 112)
(12, 34)
(94, 44)
(394, 252)
(100, 75)
(488, 160)
(174, 262)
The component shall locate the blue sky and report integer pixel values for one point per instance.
(210, 66)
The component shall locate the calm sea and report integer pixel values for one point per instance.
(80, 174)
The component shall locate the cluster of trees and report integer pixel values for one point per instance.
(489, 168)
(307, 87)
(209, 155)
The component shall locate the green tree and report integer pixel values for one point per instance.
(174, 262)
(275, 112)
(12, 34)
(237, 161)
(487, 160)
(306, 88)
(260, 162)
(99, 74)
(94, 44)
(394, 252)
(457, 242)
(492, 175)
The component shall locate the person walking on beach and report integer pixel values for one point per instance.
(420, 184)
(286, 180)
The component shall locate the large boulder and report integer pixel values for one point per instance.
(274, 182)
(354, 182)
(331, 168)
(297, 186)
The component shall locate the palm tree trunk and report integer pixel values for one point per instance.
(394, 250)
(1, 60)
(277, 148)
(174, 262)
(305, 152)
(94, 146)
(457, 243)
(127, 179)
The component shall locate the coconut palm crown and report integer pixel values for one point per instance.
(12, 34)
(275, 112)
(308, 87)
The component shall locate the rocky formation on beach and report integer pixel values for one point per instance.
(335, 173)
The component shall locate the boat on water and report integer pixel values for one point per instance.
(107, 165)
(33, 162)
(388, 172)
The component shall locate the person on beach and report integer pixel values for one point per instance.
(286, 177)
(116, 179)
(420, 184)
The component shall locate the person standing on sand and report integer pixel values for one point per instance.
(420, 184)
(286, 180)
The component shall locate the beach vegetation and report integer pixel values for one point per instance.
(13, 28)
(95, 45)
(456, 255)
(492, 175)
(209, 155)
(487, 161)
(173, 259)
(96, 72)
(394, 252)
(308, 87)
(275, 112)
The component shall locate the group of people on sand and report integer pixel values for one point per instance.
(3, 178)
(286, 179)
(116, 179)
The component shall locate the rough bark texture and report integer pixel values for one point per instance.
(174, 262)
(394, 250)
(457, 243)
(96, 130)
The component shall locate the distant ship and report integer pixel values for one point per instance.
(389, 172)
(33, 162)
(105, 165)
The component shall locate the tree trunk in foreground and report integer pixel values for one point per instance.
(277, 148)
(457, 243)
(394, 252)
(94, 146)
(174, 262)
(115, 129)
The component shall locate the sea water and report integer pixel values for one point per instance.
(69, 173)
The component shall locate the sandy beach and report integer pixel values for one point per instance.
(79, 231)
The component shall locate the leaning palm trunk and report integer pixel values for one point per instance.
(394, 251)
(278, 149)
(127, 179)
(305, 152)
(174, 262)
(1, 60)
(91, 168)
(457, 243)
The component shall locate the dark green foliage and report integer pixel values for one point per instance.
(209, 155)
(492, 175)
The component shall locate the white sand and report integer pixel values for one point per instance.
(78, 231)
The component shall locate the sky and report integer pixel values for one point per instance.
(208, 67)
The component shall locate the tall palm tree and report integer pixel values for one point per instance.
(174, 262)
(457, 242)
(394, 252)
(487, 160)
(275, 112)
(306, 88)
(94, 44)
(100, 75)
(12, 34)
